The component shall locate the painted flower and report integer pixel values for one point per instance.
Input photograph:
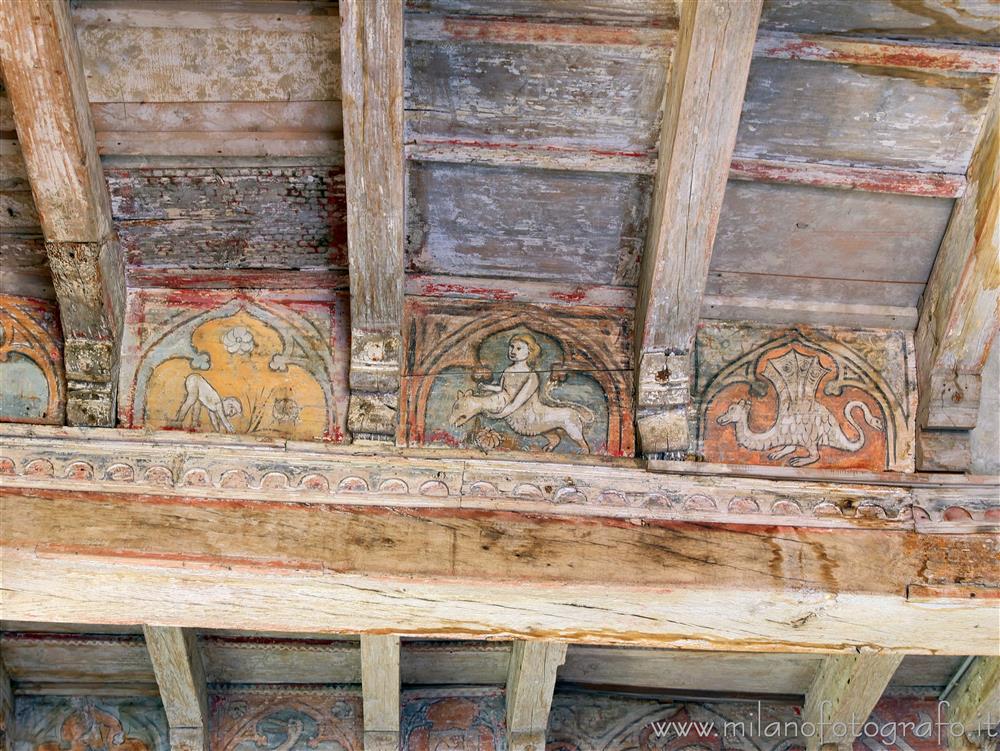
(487, 438)
(285, 410)
(238, 341)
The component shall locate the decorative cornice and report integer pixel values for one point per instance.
(170, 463)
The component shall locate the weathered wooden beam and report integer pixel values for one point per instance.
(531, 680)
(270, 560)
(530, 156)
(708, 78)
(876, 53)
(371, 38)
(842, 696)
(425, 27)
(6, 710)
(960, 307)
(518, 290)
(974, 705)
(44, 79)
(380, 691)
(180, 675)
(839, 177)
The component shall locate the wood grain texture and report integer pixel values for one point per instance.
(536, 224)
(43, 76)
(177, 662)
(590, 97)
(531, 680)
(843, 694)
(372, 60)
(921, 120)
(960, 308)
(380, 689)
(701, 114)
(965, 21)
(254, 564)
(626, 12)
(974, 703)
(77, 660)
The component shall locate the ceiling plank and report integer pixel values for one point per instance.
(843, 694)
(380, 691)
(371, 38)
(960, 310)
(876, 53)
(975, 704)
(711, 62)
(44, 79)
(177, 662)
(531, 680)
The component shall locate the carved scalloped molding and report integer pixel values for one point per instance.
(253, 472)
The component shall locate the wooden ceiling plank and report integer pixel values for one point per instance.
(380, 691)
(876, 53)
(180, 674)
(842, 696)
(974, 704)
(372, 91)
(869, 179)
(704, 98)
(425, 27)
(44, 79)
(960, 311)
(531, 681)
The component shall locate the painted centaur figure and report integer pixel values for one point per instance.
(801, 422)
(519, 401)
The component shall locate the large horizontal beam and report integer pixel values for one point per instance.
(445, 562)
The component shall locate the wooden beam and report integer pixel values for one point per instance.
(530, 156)
(180, 675)
(43, 75)
(531, 680)
(840, 177)
(371, 38)
(842, 696)
(518, 290)
(380, 691)
(6, 710)
(704, 98)
(974, 705)
(876, 53)
(425, 27)
(82, 553)
(960, 307)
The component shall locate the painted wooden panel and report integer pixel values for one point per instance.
(286, 720)
(441, 719)
(652, 12)
(231, 218)
(849, 114)
(794, 231)
(32, 378)
(156, 54)
(505, 377)
(593, 97)
(531, 224)
(944, 20)
(805, 397)
(262, 363)
(88, 723)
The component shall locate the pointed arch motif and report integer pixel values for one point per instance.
(836, 371)
(34, 384)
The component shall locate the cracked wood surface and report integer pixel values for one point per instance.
(701, 113)
(100, 557)
(180, 675)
